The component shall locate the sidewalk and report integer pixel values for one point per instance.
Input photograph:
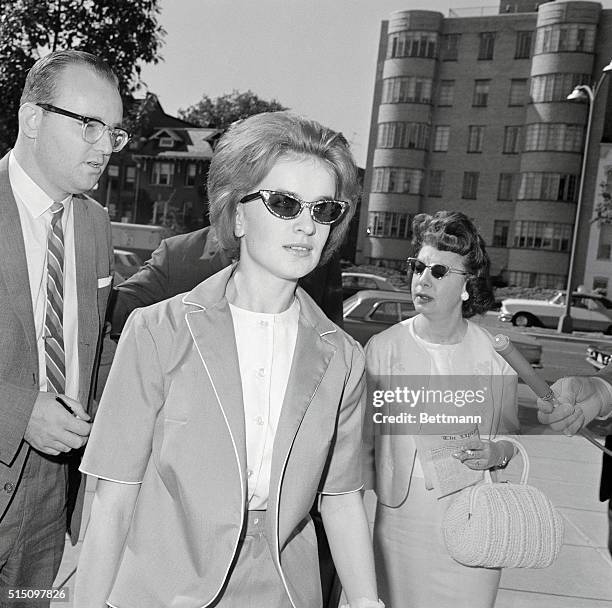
(567, 469)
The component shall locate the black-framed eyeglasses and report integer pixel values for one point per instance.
(288, 206)
(93, 129)
(438, 271)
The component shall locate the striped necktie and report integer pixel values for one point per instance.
(54, 334)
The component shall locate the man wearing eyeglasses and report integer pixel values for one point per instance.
(55, 279)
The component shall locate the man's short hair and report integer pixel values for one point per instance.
(248, 151)
(42, 78)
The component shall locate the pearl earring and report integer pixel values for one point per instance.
(465, 296)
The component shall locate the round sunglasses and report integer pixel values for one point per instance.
(288, 206)
(438, 271)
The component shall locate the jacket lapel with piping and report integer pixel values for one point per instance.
(212, 331)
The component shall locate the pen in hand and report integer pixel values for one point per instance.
(65, 406)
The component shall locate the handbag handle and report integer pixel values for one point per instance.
(521, 450)
(487, 474)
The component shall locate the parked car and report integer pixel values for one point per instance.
(352, 282)
(599, 354)
(126, 263)
(590, 312)
(369, 312)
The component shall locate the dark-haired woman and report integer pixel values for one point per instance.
(450, 282)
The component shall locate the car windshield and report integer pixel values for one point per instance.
(560, 299)
(348, 305)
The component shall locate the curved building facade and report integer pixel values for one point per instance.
(470, 113)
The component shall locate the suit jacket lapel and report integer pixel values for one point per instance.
(87, 286)
(311, 359)
(213, 333)
(14, 267)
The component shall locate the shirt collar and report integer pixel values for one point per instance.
(33, 197)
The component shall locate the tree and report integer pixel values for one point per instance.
(125, 33)
(603, 206)
(221, 112)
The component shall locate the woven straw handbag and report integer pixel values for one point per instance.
(503, 525)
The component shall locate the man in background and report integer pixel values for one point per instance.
(584, 400)
(55, 280)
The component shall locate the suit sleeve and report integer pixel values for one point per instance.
(148, 286)
(122, 435)
(343, 472)
(16, 403)
(369, 456)
(606, 373)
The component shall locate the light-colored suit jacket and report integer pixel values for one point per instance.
(19, 374)
(394, 358)
(172, 418)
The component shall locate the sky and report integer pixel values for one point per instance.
(316, 57)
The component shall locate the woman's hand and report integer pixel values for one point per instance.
(481, 454)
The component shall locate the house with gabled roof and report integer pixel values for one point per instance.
(160, 177)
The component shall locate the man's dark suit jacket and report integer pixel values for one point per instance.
(181, 262)
(19, 384)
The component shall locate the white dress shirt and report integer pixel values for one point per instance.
(35, 215)
(265, 344)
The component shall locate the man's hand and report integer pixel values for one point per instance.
(52, 429)
(580, 399)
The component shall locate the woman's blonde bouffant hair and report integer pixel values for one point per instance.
(251, 147)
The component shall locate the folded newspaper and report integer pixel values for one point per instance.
(444, 473)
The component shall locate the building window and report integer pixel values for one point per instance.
(387, 224)
(555, 87)
(558, 187)
(411, 135)
(501, 231)
(407, 89)
(475, 138)
(166, 142)
(486, 45)
(505, 190)
(470, 185)
(397, 179)
(412, 44)
(436, 183)
(565, 38)
(553, 137)
(481, 93)
(446, 93)
(163, 174)
(518, 92)
(536, 279)
(604, 246)
(542, 235)
(600, 284)
(441, 137)
(450, 47)
(191, 174)
(129, 178)
(512, 138)
(523, 45)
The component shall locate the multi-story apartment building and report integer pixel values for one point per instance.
(470, 113)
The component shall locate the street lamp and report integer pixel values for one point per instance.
(582, 92)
